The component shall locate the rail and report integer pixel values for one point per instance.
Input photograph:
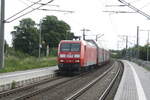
(81, 91)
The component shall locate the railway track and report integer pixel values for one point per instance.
(63, 90)
(33, 89)
(79, 94)
(36, 91)
(10, 93)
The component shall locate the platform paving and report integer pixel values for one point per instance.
(135, 83)
(25, 77)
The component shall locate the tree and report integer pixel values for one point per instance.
(26, 34)
(143, 52)
(25, 37)
(54, 30)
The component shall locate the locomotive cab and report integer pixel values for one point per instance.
(69, 54)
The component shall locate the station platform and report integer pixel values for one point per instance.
(22, 78)
(135, 83)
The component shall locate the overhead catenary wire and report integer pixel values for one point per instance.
(119, 12)
(37, 3)
(115, 5)
(22, 11)
(23, 2)
(29, 11)
(47, 9)
(42, 3)
(135, 9)
(56, 10)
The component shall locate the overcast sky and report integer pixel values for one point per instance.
(89, 14)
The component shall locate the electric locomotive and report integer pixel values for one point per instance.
(76, 55)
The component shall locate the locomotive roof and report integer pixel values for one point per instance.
(88, 42)
(85, 42)
(70, 40)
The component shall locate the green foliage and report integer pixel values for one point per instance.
(143, 53)
(13, 63)
(53, 51)
(16, 60)
(116, 54)
(132, 52)
(18, 54)
(54, 30)
(25, 36)
(147, 67)
(13, 85)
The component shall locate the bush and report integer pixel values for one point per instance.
(53, 51)
(13, 85)
(16, 60)
(13, 63)
(18, 54)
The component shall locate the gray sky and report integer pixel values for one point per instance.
(89, 14)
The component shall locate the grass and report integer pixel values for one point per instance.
(13, 63)
(144, 66)
(147, 68)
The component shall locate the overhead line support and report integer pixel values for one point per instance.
(135, 9)
(2, 15)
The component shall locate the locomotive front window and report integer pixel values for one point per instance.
(65, 47)
(70, 47)
(75, 47)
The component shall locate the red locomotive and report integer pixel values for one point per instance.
(77, 55)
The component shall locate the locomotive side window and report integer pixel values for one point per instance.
(75, 47)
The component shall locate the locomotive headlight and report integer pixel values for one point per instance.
(76, 55)
(77, 61)
(61, 60)
(62, 55)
